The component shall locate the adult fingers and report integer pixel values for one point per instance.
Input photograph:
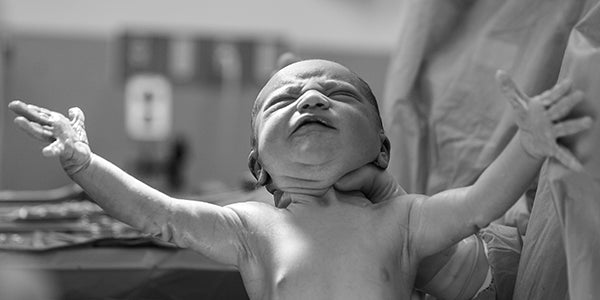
(572, 126)
(31, 112)
(563, 106)
(34, 129)
(555, 93)
(567, 158)
(356, 180)
(376, 184)
(511, 91)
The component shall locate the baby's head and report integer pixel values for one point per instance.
(313, 122)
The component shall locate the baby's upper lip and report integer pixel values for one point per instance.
(306, 119)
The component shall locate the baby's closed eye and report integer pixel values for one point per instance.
(280, 102)
(342, 95)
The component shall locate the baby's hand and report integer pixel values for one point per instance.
(540, 119)
(67, 138)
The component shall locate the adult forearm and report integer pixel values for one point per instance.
(503, 182)
(123, 196)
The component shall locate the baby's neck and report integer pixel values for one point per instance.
(320, 197)
(327, 198)
(304, 186)
(314, 189)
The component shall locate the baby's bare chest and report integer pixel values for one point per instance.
(330, 251)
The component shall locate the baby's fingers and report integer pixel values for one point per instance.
(572, 126)
(567, 158)
(563, 106)
(31, 112)
(511, 91)
(76, 115)
(557, 92)
(54, 149)
(34, 129)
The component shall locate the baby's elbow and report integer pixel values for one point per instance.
(163, 228)
(166, 232)
(477, 215)
(169, 234)
(479, 222)
(480, 225)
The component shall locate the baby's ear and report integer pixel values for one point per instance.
(383, 158)
(259, 173)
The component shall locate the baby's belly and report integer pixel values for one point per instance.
(337, 287)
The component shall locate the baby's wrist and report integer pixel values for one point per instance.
(74, 169)
(528, 147)
(75, 165)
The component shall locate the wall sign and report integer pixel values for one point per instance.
(148, 107)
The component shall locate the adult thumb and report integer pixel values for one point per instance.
(376, 184)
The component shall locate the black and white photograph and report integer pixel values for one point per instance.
(310, 150)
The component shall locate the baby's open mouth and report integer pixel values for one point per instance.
(312, 121)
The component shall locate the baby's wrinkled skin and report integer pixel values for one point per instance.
(314, 125)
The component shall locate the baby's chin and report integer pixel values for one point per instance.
(315, 152)
(308, 181)
(299, 175)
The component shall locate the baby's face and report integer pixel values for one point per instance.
(314, 124)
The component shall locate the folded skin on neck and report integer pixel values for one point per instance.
(329, 198)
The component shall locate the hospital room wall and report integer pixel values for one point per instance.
(59, 71)
(64, 53)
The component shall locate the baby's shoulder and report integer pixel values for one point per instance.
(252, 207)
(251, 212)
(396, 211)
(400, 205)
(405, 200)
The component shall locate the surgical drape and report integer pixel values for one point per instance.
(447, 120)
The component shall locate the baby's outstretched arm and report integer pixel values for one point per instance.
(67, 138)
(210, 229)
(449, 216)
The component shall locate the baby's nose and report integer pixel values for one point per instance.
(312, 100)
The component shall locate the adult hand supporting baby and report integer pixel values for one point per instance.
(66, 136)
(540, 119)
(378, 185)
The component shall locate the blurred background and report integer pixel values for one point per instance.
(167, 86)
